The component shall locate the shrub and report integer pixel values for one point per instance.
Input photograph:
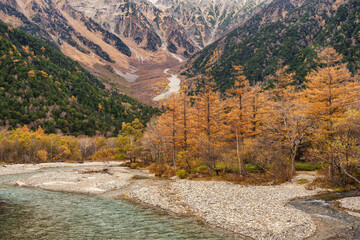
(181, 173)
(201, 169)
(302, 181)
(134, 165)
(307, 166)
(162, 170)
(169, 172)
(42, 155)
(120, 157)
(250, 167)
(185, 160)
(106, 154)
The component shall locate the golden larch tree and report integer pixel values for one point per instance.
(328, 95)
(211, 128)
(238, 114)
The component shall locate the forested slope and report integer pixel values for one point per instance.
(39, 86)
(286, 33)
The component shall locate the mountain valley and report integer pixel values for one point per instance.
(128, 44)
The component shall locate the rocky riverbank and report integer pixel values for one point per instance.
(27, 168)
(260, 212)
(88, 178)
(352, 205)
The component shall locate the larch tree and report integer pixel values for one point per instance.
(185, 114)
(170, 123)
(211, 126)
(328, 96)
(347, 145)
(287, 120)
(153, 140)
(185, 120)
(256, 108)
(238, 115)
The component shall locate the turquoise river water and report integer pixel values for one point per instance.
(29, 213)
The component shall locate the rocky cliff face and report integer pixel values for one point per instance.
(49, 17)
(207, 20)
(180, 26)
(146, 25)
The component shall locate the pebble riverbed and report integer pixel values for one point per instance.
(260, 212)
(352, 204)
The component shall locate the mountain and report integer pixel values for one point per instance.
(207, 20)
(39, 86)
(284, 31)
(181, 26)
(128, 44)
(139, 21)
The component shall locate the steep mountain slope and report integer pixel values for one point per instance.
(77, 36)
(343, 33)
(139, 21)
(59, 28)
(286, 30)
(207, 20)
(39, 86)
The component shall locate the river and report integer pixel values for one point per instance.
(29, 213)
(332, 223)
(174, 86)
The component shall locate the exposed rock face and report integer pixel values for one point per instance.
(207, 20)
(148, 26)
(49, 17)
(181, 26)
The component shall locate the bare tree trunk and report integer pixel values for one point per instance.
(174, 141)
(293, 157)
(240, 160)
(185, 123)
(331, 170)
(348, 174)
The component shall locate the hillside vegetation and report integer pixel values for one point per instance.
(269, 38)
(39, 86)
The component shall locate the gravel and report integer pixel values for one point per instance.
(90, 178)
(256, 211)
(352, 204)
(26, 168)
(78, 181)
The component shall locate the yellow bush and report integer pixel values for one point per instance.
(106, 154)
(162, 170)
(42, 155)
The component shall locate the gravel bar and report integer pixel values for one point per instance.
(352, 204)
(8, 169)
(260, 212)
